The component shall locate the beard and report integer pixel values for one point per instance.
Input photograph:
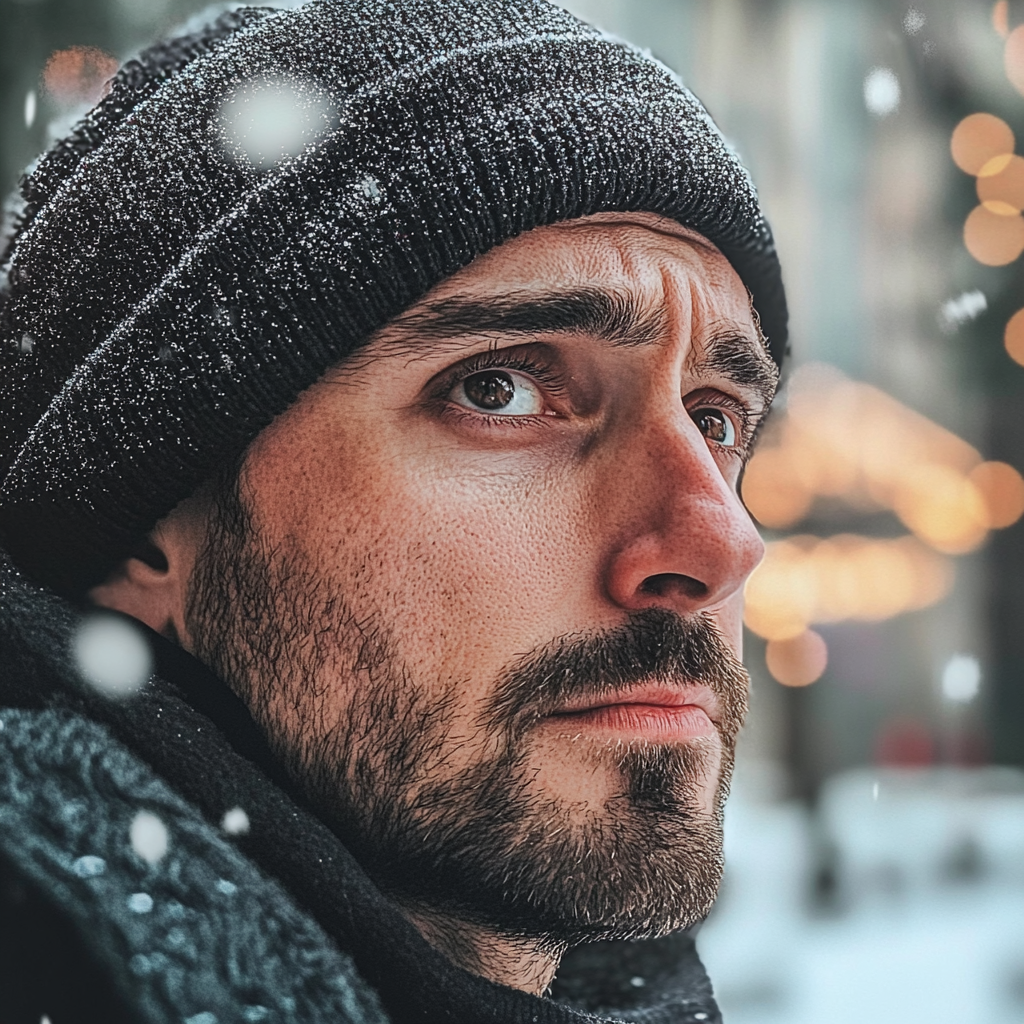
(367, 742)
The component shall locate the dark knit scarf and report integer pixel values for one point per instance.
(186, 744)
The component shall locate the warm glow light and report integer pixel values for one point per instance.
(79, 74)
(1002, 192)
(993, 239)
(1013, 58)
(979, 139)
(804, 580)
(1001, 17)
(773, 491)
(799, 661)
(781, 595)
(1013, 337)
(943, 508)
(1002, 489)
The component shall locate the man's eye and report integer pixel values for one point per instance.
(499, 392)
(716, 426)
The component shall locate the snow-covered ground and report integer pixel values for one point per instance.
(919, 912)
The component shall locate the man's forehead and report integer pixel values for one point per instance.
(602, 244)
(573, 276)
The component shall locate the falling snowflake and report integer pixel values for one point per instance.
(881, 92)
(235, 822)
(964, 308)
(149, 837)
(266, 121)
(112, 655)
(913, 21)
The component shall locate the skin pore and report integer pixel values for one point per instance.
(481, 587)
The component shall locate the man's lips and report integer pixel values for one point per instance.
(655, 711)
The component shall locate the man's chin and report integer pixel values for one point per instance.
(557, 860)
(593, 773)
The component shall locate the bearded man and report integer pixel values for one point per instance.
(389, 370)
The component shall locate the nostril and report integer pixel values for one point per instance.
(667, 584)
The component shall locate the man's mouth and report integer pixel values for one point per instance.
(659, 712)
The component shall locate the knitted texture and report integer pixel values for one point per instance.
(198, 934)
(179, 277)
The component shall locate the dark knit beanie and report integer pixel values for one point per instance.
(182, 270)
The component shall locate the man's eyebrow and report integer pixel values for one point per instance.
(730, 352)
(616, 317)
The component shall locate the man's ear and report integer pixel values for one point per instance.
(152, 585)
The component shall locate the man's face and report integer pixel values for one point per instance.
(481, 585)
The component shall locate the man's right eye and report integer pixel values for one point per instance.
(499, 393)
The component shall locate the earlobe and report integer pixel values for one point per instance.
(151, 585)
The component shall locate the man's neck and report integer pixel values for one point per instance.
(518, 963)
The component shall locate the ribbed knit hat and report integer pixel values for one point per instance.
(181, 272)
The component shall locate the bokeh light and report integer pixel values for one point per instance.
(978, 139)
(805, 580)
(78, 74)
(881, 91)
(799, 661)
(1002, 489)
(1001, 17)
(943, 508)
(1013, 337)
(1013, 58)
(961, 679)
(836, 441)
(773, 490)
(1002, 190)
(992, 238)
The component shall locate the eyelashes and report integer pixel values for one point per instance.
(553, 382)
(505, 359)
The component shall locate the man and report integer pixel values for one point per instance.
(393, 369)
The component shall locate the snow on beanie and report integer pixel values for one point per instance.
(250, 203)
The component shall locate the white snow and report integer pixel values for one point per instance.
(961, 679)
(964, 308)
(111, 655)
(235, 822)
(266, 121)
(149, 837)
(881, 91)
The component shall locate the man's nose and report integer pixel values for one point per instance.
(681, 539)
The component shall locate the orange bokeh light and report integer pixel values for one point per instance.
(78, 74)
(1002, 488)
(799, 661)
(943, 508)
(1013, 337)
(773, 491)
(978, 139)
(806, 579)
(993, 239)
(1013, 58)
(1001, 17)
(1002, 192)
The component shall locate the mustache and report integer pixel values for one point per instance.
(653, 644)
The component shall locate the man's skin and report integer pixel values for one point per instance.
(606, 485)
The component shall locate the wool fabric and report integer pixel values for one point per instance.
(249, 203)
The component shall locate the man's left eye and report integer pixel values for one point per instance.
(499, 393)
(715, 425)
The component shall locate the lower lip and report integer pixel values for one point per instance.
(643, 721)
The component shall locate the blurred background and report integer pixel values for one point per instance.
(875, 838)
